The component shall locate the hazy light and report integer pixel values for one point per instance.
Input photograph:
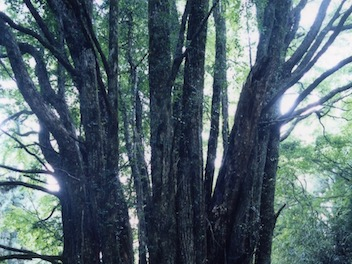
(287, 101)
(52, 184)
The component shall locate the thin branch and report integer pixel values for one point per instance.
(314, 54)
(141, 60)
(292, 126)
(26, 134)
(289, 116)
(50, 215)
(311, 56)
(26, 171)
(344, 28)
(29, 255)
(310, 37)
(47, 92)
(7, 70)
(179, 55)
(40, 22)
(64, 61)
(295, 19)
(279, 211)
(90, 33)
(15, 116)
(28, 185)
(28, 88)
(112, 64)
(26, 149)
(33, 178)
(299, 116)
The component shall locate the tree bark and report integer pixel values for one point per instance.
(218, 99)
(239, 175)
(267, 214)
(190, 194)
(162, 225)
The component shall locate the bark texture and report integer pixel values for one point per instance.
(162, 222)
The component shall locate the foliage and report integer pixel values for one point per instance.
(315, 183)
(35, 220)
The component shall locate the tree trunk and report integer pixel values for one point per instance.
(190, 194)
(267, 214)
(234, 218)
(219, 98)
(162, 225)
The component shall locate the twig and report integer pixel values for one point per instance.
(24, 147)
(279, 211)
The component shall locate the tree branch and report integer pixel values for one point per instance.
(29, 255)
(179, 55)
(311, 35)
(112, 63)
(24, 147)
(277, 214)
(48, 93)
(289, 116)
(5, 68)
(40, 22)
(26, 171)
(295, 18)
(15, 116)
(91, 35)
(28, 185)
(50, 215)
(311, 56)
(64, 61)
(288, 132)
(29, 91)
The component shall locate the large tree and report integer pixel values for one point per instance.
(77, 92)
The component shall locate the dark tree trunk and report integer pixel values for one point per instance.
(235, 223)
(162, 224)
(190, 193)
(219, 98)
(267, 214)
(133, 133)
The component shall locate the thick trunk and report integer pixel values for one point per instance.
(97, 232)
(190, 195)
(236, 199)
(162, 227)
(181, 219)
(233, 190)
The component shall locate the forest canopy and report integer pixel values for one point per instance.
(175, 131)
